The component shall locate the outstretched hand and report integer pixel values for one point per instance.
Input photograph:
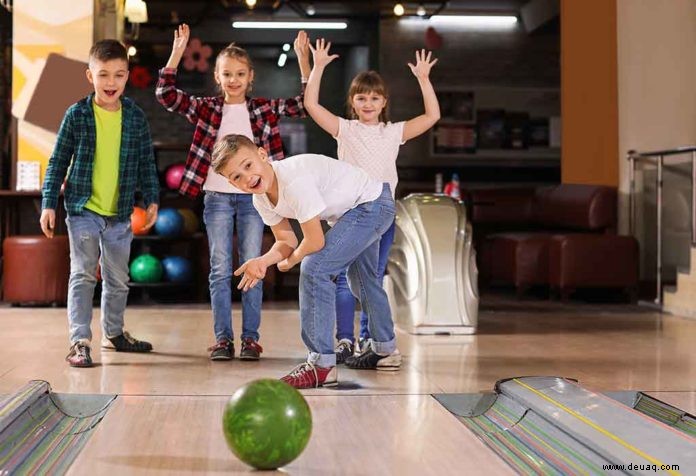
(320, 53)
(181, 37)
(253, 271)
(421, 69)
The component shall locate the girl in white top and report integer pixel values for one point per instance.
(372, 143)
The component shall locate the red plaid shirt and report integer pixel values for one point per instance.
(206, 114)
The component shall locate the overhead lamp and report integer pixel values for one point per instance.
(311, 11)
(291, 25)
(286, 47)
(251, 3)
(135, 11)
(475, 20)
(282, 59)
(421, 10)
(399, 10)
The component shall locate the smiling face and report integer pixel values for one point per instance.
(234, 77)
(248, 169)
(368, 106)
(109, 79)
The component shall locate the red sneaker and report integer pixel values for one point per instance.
(308, 375)
(79, 355)
(251, 350)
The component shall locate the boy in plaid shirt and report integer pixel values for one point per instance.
(104, 147)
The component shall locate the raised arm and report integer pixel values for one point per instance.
(168, 95)
(322, 116)
(301, 46)
(181, 37)
(420, 124)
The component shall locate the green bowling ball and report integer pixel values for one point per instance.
(267, 423)
(146, 269)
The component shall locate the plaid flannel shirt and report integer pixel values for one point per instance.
(206, 114)
(74, 151)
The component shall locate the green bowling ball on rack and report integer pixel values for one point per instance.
(146, 269)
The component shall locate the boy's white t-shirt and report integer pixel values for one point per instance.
(235, 120)
(311, 185)
(373, 148)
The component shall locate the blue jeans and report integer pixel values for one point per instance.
(89, 234)
(352, 242)
(345, 301)
(219, 214)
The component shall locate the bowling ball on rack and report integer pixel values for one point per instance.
(169, 223)
(146, 269)
(177, 269)
(173, 176)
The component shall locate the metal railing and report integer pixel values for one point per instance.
(658, 157)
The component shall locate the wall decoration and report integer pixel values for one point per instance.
(196, 56)
(140, 77)
(49, 37)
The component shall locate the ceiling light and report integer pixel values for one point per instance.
(251, 3)
(421, 10)
(475, 20)
(135, 11)
(399, 9)
(291, 25)
(311, 11)
(282, 59)
(132, 51)
(286, 47)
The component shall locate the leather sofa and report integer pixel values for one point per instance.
(562, 237)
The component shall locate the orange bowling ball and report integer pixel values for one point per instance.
(138, 221)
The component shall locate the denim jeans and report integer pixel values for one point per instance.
(345, 301)
(221, 210)
(352, 242)
(89, 234)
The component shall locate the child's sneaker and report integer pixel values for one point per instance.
(127, 343)
(223, 350)
(344, 349)
(308, 375)
(79, 355)
(370, 360)
(251, 349)
(362, 346)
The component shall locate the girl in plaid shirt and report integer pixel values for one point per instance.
(232, 112)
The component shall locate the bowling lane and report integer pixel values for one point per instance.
(408, 434)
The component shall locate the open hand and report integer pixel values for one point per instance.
(253, 271)
(48, 222)
(320, 53)
(421, 69)
(181, 37)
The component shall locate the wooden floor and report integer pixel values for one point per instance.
(167, 419)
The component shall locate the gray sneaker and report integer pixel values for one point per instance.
(343, 350)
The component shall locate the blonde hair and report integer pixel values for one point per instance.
(226, 148)
(235, 52)
(363, 83)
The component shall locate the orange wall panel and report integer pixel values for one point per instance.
(589, 92)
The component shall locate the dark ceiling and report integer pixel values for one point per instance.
(161, 11)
